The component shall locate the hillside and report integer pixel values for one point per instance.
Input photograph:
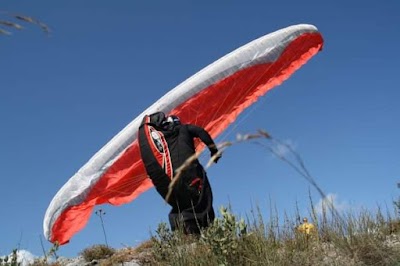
(350, 239)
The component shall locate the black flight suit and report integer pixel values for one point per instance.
(193, 196)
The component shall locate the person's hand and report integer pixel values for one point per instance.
(216, 156)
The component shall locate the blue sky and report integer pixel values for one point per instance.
(64, 96)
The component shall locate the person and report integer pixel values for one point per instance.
(192, 198)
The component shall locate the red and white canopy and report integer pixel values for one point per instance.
(212, 98)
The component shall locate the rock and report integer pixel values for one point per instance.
(129, 263)
(78, 261)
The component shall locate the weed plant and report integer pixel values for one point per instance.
(351, 238)
(10, 260)
(362, 239)
(97, 252)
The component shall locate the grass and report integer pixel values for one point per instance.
(362, 238)
(12, 22)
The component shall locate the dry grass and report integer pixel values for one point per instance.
(97, 252)
(11, 22)
(362, 239)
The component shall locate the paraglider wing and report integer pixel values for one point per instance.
(212, 98)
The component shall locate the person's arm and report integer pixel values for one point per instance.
(203, 135)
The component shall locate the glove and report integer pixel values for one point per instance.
(217, 156)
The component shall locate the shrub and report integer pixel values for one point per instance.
(97, 252)
(223, 236)
(10, 260)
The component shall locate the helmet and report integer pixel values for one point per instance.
(173, 119)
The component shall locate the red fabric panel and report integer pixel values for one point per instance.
(213, 108)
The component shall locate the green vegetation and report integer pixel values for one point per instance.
(352, 239)
(364, 239)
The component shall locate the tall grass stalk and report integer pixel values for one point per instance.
(363, 238)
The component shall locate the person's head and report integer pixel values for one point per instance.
(305, 220)
(171, 121)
